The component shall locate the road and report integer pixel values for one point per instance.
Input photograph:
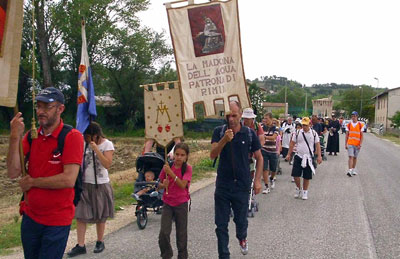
(344, 217)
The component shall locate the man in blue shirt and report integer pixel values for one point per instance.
(234, 143)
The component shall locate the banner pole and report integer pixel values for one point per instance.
(166, 161)
(21, 150)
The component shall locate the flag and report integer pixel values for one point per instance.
(86, 101)
(11, 20)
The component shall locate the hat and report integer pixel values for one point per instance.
(354, 113)
(305, 121)
(50, 94)
(248, 114)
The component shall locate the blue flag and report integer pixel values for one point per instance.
(86, 101)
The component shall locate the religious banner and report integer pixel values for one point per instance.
(206, 41)
(11, 19)
(163, 112)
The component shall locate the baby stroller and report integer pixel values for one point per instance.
(151, 200)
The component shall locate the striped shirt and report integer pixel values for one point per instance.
(269, 145)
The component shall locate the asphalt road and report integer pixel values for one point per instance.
(344, 217)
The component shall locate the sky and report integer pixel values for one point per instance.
(314, 41)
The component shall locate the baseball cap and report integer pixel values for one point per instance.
(305, 121)
(248, 113)
(354, 113)
(50, 94)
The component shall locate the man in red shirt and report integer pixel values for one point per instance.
(48, 207)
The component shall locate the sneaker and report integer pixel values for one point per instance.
(99, 247)
(305, 195)
(297, 193)
(273, 184)
(266, 190)
(353, 172)
(349, 173)
(244, 246)
(77, 250)
(292, 179)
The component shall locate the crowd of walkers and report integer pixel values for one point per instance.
(243, 145)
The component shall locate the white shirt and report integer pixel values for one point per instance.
(101, 172)
(287, 136)
(302, 148)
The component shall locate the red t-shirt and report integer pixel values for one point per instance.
(176, 195)
(51, 207)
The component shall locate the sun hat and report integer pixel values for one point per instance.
(248, 114)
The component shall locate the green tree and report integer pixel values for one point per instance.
(359, 99)
(395, 120)
(257, 98)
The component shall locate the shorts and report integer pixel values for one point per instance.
(353, 150)
(299, 171)
(270, 161)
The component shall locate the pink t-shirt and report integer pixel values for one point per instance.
(176, 195)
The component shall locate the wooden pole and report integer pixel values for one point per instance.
(21, 150)
(166, 161)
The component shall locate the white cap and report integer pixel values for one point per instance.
(248, 113)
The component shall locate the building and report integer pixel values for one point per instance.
(323, 107)
(270, 107)
(386, 105)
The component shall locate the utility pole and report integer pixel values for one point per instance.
(285, 101)
(305, 105)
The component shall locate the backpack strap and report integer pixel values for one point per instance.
(61, 138)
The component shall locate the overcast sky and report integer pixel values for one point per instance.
(314, 41)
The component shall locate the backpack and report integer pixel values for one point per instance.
(78, 187)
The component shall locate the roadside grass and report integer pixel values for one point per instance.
(10, 236)
(203, 169)
(391, 137)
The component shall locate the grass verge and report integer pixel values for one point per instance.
(10, 236)
(391, 137)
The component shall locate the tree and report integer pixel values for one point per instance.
(257, 98)
(395, 120)
(359, 98)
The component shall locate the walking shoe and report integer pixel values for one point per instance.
(244, 246)
(77, 250)
(353, 172)
(305, 195)
(99, 247)
(349, 173)
(297, 193)
(292, 179)
(266, 190)
(273, 184)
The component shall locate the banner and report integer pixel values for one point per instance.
(86, 101)
(163, 112)
(206, 41)
(11, 19)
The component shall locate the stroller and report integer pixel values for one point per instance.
(151, 200)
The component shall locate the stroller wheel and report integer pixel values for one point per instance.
(141, 219)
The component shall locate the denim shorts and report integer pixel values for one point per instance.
(270, 160)
(353, 150)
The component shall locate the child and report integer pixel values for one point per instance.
(149, 177)
(97, 199)
(176, 180)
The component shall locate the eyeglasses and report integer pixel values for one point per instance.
(44, 108)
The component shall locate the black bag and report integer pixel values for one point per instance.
(78, 187)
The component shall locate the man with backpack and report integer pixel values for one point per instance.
(307, 140)
(354, 140)
(47, 208)
(233, 177)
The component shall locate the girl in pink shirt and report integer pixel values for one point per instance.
(176, 181)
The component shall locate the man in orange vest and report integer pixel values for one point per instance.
(354, 140)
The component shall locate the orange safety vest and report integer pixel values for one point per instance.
(354, 134)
